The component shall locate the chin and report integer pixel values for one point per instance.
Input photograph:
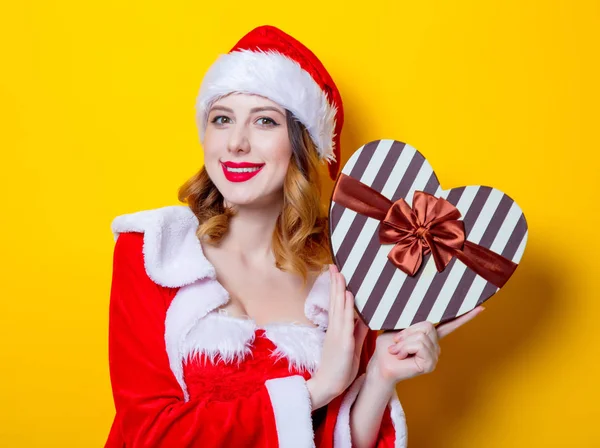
(240, 197)
(246, 194)
(248, 198)
(239, 201)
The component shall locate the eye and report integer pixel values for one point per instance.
(266, 121)
(220, 119)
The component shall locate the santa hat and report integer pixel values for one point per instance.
(270, 63)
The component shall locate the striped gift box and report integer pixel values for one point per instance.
(387, 297)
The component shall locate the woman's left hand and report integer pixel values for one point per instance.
(404, 354)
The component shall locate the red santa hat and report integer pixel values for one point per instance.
(271, 63)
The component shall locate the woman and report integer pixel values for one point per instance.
(229, 327)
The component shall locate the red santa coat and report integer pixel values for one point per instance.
(186, 375)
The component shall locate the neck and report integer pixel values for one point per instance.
(250, 232)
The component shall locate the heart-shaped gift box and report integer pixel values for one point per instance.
(411, 251)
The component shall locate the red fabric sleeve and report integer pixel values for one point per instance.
(150, 407)
(324, 432)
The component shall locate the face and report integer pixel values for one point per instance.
(247, 149)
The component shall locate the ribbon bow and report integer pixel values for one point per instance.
(432, 225)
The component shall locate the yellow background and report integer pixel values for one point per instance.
(97, 106)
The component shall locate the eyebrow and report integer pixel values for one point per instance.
(253, 110)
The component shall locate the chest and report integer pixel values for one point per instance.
(263, 294)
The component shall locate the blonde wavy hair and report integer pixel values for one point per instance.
(301, 238)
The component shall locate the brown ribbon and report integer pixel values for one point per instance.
(432, 225)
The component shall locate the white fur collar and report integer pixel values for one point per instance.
(172, 253)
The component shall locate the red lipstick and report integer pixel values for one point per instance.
(249, 170)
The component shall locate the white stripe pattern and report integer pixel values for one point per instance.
(459, 267)
(381, 259)
(521, 249)
(371, 225)
(506, 229)
(347, 218)
(342, 226)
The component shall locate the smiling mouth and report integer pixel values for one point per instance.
(241, 174)
(242, 170)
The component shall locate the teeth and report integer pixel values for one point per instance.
(242, 170)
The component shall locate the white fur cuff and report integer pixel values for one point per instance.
(293, 411)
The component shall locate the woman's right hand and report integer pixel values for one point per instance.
(340, 355)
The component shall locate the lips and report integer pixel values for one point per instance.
(241, 176)
(242, 164)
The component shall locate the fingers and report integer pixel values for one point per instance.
(411, 343)
(341, 313)
(349, 323)
(447, 328)
(332, 289)
(360, 333)
(423, 327)
(348, 306)
(341, 302)
(425, 353)
(334, 302)
(418, 348)
(425, 359)
(341, 306)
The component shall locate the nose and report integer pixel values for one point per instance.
(238, 139)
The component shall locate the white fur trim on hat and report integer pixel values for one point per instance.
(277, 77)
